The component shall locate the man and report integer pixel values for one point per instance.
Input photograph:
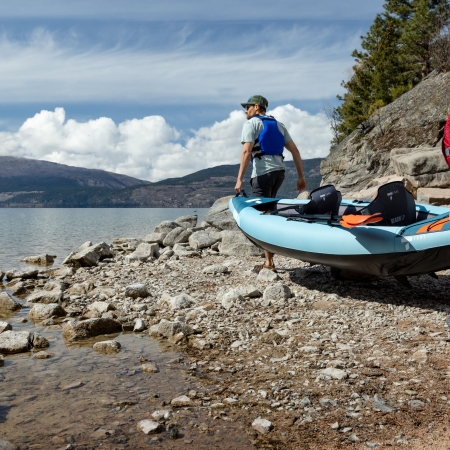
(263, 140)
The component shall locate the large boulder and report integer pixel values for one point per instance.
(166, 226)
(202, 239)
(433, 196)
(46, 311)
(423, 167)
(234, 243)
(23, 274)
(15, 341)
(176, 236)
(40, 260)
(45, 296)
(7, 303)
(189, 221)
(75, 331)
(90, 256)
(156, 238)
(143, 252)
(219, 215)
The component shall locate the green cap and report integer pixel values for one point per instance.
(256, 100)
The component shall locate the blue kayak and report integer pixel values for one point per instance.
(409, 238)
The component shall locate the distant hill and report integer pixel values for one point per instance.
(50, 185)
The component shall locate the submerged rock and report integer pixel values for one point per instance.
(74, 331)
(41, 260)
(7, 303)
(107, 347)
(24, 274)
(15, 342)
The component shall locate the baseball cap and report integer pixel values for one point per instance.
(256, 100)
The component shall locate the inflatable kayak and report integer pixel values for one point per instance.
(390, 236)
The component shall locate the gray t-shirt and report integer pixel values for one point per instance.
(267, 163)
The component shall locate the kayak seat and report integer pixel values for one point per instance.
(324, 200)
(395, 204)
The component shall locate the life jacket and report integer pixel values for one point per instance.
(446, 142)
(270, 141)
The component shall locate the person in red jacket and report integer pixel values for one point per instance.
(446, 142)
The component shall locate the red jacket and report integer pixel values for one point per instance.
(446, 142)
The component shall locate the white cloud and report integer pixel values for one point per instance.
(150, 148)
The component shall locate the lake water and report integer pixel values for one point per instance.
(58, 231)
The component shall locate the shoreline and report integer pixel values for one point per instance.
(328, 363)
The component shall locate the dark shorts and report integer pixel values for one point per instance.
(267, 185)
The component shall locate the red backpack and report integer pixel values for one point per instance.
(446, 142)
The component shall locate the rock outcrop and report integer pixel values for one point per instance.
(414, 120)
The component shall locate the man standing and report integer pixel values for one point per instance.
(263, 140)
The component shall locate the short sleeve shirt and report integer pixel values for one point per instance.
(267, 163)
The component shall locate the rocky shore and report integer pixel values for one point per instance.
(298, 358)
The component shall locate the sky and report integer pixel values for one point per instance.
(152, 88)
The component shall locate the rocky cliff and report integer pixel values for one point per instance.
(414, 120)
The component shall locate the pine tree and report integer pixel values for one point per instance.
(396, 54)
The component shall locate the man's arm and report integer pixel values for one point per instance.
(301, 182)
(245, 161)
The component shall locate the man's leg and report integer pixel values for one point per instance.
(267, 185)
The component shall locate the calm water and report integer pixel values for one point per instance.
(27, 232)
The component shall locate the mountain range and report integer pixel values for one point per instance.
(35, 183)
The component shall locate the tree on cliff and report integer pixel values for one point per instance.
(397, 53)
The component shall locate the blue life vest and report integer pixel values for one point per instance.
(271, 140)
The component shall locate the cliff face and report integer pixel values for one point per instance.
(414, 120)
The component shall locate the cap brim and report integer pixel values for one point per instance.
(244, 105)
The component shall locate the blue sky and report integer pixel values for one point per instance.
(190, 63)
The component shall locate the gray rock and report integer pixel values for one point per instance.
(15, 342)
(111, 347)
(380, 405)
(90, 256)
(45, 297)
(7, 303)
(189, 221)
(74, 331)
(231, 299)
(136, 290)
(177, 236)
(415, 404)
(267, 276)
(234, 243)
(169, 329)
(201, 239)
(270, 337)
(101, 307)
(162, 414)
(81, 288)
(84, 246)
(262, 426)
(336, 374)
(249, 291)
(276, 293)
(39, 341)
(423, 167)
(139, 325)
(156, 238)
(42, 355)
(182, 400)
(149, 367)
(41, 260)
(181, 301)
(46, 311)
(166, 226)
(149, 426)
(24, 274)
(53, 285)
(5, 445)
(219, 215)
(5, 326)
(216, 268)
(143, 252)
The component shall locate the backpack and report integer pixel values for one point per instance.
(446, 142)
(271, 140)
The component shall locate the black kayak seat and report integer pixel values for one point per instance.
(395, 204)
(324, 200)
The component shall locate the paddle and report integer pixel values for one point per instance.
(352, 220)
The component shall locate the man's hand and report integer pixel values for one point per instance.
(238, 187)
(301, 184)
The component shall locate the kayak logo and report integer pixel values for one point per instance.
(325, 195)
(397, 219)
(391, 194)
